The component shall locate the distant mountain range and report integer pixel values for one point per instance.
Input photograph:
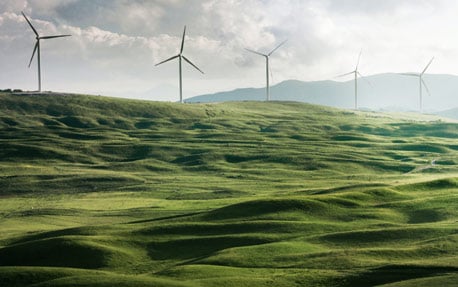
(452, 113)
(380, 92)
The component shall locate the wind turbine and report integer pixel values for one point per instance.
(356, 73)
(421, 82)
(180, 56)
(37, 47)
(267, 66)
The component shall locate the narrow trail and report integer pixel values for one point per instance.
(432, 164)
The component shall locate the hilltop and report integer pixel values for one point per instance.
(98, 191)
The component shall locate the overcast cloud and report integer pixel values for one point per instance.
(115, 44)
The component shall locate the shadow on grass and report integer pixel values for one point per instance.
(395, 273)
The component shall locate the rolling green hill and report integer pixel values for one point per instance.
(98, 191)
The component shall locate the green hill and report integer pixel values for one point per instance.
(97, 191)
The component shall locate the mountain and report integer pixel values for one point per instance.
(383, 91)
(452, 113)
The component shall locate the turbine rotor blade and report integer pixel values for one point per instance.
(252, 51)
(281, 44)
(364, 78)
(30, 24)
(169, 59)
(52, 37)
(182, 40)
(346, 74)
(359, 57)
(189, 62)
(33, 54)
(426, 87)
(427, 66)
(410, 74)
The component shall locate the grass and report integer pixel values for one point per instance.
(97, 191)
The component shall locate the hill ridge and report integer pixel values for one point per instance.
(387, 91)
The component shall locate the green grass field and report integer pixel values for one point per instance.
(97, 191)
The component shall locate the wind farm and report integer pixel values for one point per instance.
(302, 182)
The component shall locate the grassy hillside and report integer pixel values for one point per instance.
(98, 191)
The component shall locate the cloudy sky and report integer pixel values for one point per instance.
(116, 43)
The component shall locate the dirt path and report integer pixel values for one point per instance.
(423, 167)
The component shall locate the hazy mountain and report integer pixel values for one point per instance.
(452, 113)
(382, 91)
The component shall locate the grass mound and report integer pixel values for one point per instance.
(446, 183)
(53, 277)
(444, 280)
(97, 191)
(76, 252)
(269, 209)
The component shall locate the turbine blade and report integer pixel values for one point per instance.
(260, 54)
(346, 74)
(30, 24)
(410, 74)
(281, 44)
(364, 78)
(426, 87)
(427, 66)
(33, 54)
(169, 59)
(186, 59)
(52, 37)
(182, 40)
(359, 58)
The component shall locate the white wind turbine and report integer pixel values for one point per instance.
(421, 82)
(356, 73)
(37, 47)
(180, 56)
(267, 66)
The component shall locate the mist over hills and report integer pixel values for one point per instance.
(382, 91)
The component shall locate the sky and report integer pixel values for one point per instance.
(115, 44)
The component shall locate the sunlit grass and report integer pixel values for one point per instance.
(108, 192)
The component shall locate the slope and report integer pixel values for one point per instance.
(108, 192)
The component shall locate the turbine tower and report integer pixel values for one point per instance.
(37, 47)
(267, 66)
(180, 56)
(421, 82)
(356, 73)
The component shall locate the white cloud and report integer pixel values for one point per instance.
(115, 44)
(12, 5)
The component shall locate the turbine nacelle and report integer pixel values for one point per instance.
(37, 47)
(266, 56)
(422, 81)
(356, 73)
(180, 56)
